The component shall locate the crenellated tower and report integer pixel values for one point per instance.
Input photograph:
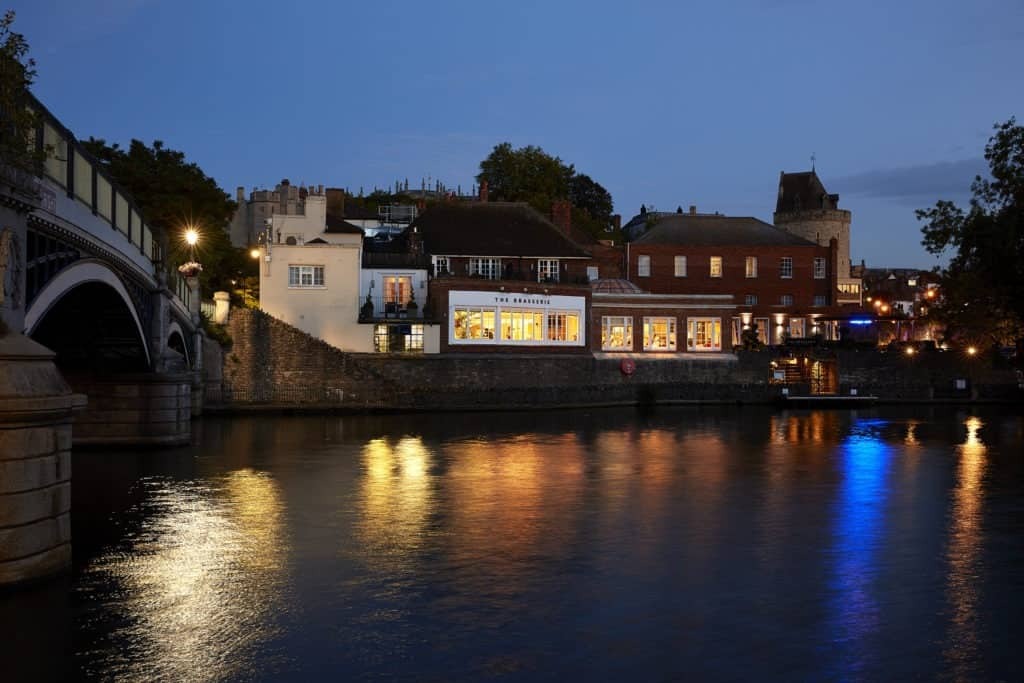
(806, 209)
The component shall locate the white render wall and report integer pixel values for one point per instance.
(331, 312)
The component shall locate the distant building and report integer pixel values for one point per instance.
(252, 214)
(806, 209)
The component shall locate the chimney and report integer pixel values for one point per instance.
(561, 215)
(483, 191)
(240, 194)
(414, 241)
(617, 221)
(693, 210)
(336, 202)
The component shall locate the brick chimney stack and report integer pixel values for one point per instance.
(561, 215)
(617, 221)
(336, 202)
(483, 191)
(693, 210)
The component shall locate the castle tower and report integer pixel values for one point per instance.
(806, 209)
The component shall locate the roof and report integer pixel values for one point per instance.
(614, 286)
(803, 191)
(492, 229)
(339, 225)
(710, 230)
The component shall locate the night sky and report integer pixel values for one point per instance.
(663, 103)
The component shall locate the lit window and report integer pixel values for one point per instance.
(751, 266)
(716, 266)
(762, 329)
(750, 300)
(473, 324)
(659, 334)
(617, 333)
(704, 334)
(643, 266)
(305, 276)
(819, 268)
(786, 266)
(547, 270)
(522, 325)
(563, 327)
(786, 300)
(680, 266)
(797, 328)
(397, 289)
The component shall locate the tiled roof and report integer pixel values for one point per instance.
(710, 230)
(614, 286)
(339, 225)
(492, 229)
(803, 191)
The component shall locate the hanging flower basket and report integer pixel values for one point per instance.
(190, 269)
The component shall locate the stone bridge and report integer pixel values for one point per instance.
(93, 329)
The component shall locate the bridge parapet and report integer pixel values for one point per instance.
(77, 190)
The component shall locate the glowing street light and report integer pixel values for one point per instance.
(909, 351)
(254, 253)
(971, 350)
(191, 236)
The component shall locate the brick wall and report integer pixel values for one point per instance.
(768, 286)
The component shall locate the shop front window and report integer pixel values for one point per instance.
(659, 334)
(617, 333)
(704, 334)
(473, 323)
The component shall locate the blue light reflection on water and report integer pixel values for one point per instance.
(859, 531)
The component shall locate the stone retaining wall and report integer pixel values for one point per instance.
(274, 364)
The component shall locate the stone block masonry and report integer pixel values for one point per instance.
(274, 364)
(36, 409)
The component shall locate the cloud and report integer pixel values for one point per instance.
(912, 184)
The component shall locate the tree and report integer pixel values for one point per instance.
(983, 285)
(20, 161)
(531, 175)
(172, 193)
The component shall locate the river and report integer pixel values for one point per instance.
(612, 544)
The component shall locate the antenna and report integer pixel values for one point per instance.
(812, 160)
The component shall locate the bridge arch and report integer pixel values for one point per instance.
(176, 340)
(87, 282)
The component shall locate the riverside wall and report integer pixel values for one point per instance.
(272, 364)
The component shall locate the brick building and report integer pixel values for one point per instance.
(782, 283)
(504, 279)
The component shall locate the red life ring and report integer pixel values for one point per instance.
(627, 366)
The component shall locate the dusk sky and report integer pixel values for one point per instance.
(663, 103)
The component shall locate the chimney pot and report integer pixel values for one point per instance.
(483, 191)
(693, 210)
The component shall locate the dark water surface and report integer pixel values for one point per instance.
(696, 544)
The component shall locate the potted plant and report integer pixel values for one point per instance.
(190, 269)
(412, 306)
(366, 310)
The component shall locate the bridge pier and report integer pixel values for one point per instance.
(36, 409)
(137, 409)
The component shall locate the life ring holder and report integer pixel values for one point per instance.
(627, 366)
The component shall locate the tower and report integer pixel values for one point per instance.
(807, 210)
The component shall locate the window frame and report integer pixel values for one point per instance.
(679, 265)
(822, 272)
(751, 266)
(300, 269)
(643, 265)
(713, 272)
(691, 334)
(608, 322)
(786, 267)
(671, 333)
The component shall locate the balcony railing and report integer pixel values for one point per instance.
(389, 310)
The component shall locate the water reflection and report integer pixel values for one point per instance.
(859, 533)
(198, 585)
(966, 536)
